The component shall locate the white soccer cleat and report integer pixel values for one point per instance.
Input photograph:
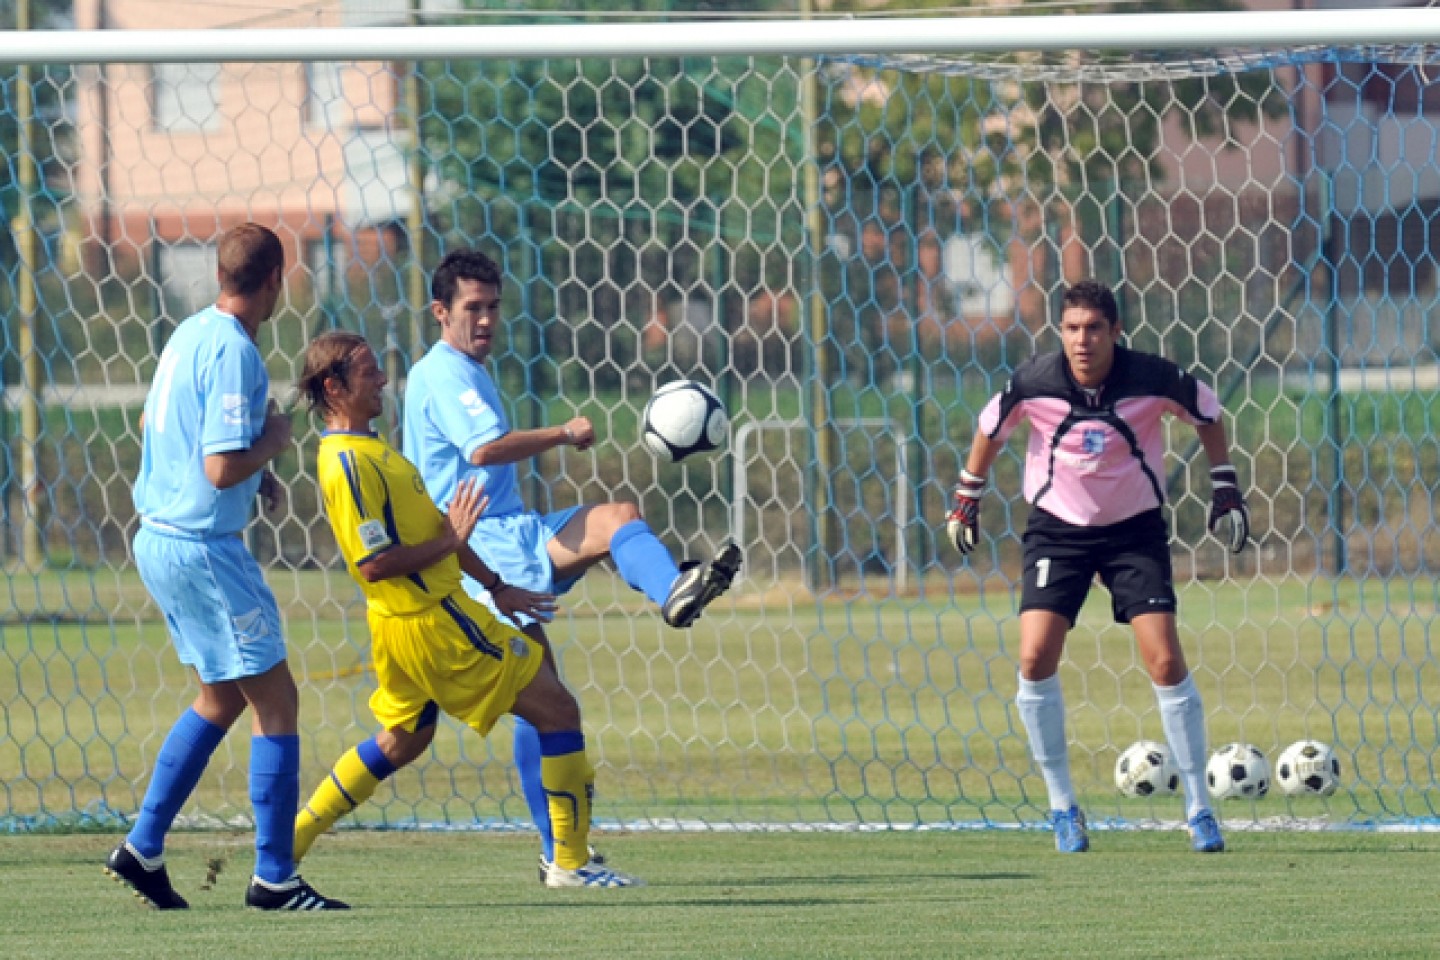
(597, 859)
(590, 875)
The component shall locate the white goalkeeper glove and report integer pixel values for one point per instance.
(962, 523)
(1226, 502)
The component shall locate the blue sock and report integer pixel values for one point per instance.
(374, 759)
(527, 764)
(644, 561)
(182, 759)
(275, 795)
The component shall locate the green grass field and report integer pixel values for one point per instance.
(774, 709)
(995, 894)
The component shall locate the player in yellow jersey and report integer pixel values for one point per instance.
(434, 648)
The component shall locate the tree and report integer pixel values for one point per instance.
(608, 180)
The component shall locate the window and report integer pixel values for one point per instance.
(975, 268)
(328, 263)
(186, 276)
(185, 96)
(325, 105)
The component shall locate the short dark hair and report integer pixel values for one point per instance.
(246, 256)
(1096, 296)
(462, 265)
(327, 356)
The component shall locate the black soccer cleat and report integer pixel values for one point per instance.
(292, 895)
(151, 885)
(699, 585)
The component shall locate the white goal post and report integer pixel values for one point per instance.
(999, 35)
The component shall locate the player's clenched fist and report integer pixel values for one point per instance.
(963, 521)
(1226, 502)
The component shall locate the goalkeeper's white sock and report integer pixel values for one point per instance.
(1183, 717)
(1042, 711)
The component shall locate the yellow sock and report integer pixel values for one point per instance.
(349, 784)
(569, 783)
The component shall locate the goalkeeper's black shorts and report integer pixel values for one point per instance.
(1132, 559)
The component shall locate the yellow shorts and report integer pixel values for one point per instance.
(456, 654)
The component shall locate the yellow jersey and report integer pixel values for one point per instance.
(375, 500)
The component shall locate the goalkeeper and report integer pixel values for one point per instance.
(434, 647)
(1093, 473)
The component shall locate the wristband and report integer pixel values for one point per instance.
(973, 484)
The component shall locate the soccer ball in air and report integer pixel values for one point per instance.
(1238, 771)
(1146, 769)
(1308, 767)
(683, 418)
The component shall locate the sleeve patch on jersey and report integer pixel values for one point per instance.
(373, 536)
(235, 408)
(472, 402)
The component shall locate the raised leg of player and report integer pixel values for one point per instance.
(643, 561)
(617, 531)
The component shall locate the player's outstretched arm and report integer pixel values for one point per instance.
(1229, 515)
(517, 445)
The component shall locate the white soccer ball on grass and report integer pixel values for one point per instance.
(1238, 771)
(1308, 768)
(1146, 769)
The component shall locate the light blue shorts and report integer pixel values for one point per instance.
(515, 547)
(221, 614)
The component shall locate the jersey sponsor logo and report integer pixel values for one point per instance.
(1093, 442)
(234, 409)
(472, 402)
(1079, 463)
(373, 535)
(518, 647)
(249, 626)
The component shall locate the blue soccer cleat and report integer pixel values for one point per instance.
(1070, 835)
(1205, 833)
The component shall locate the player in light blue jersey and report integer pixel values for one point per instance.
(455, 428)
(209, 430)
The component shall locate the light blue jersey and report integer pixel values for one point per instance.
(209, 396)
(451, 409)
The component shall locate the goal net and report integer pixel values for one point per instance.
(855, 249)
